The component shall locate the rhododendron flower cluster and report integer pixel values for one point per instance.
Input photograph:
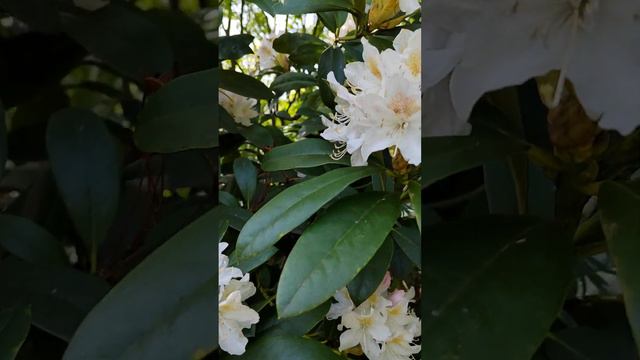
(379, 106)
(383, 326)
(241, 108)
(233, 315)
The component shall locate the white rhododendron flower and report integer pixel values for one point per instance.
(241, 108)
(383, 326)
(269, 57)
(380, 106)
(595, 44)
(233, 315)
(409, 6)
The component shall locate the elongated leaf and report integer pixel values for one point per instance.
(86, 166)
(298, 7)
(409, 240)
(281, 347)
(287, 43)
(333, 20)
(368, 279)
(332, 60)
(234, 47)
(60, 297)
(292, 81)
(181, 115)
(292, 207)
(244, 85)
(444, 156)
(341, 242)
(246, 176)
(123, 37)
(490, 277)
(620, 205)
(415, 193)
(301, 154)
(30, 242)
(14, 328)
(298, 325)
(163, 308)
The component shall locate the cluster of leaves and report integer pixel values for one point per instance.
(110, 137)
(532, 233)
(301, 222)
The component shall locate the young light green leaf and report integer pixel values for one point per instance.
(182, 115)
(620, 204)
(28, 241)
(341, 243)
(292, 207)
(86, 165)
(14, 328)
(301, 154)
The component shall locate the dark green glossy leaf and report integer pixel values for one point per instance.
(246, 176)
(307, 54)
(332, 60)
(415, 194)
(122, 36)
(86, 166)
(620, 204)
(292, 81)
(296, 326)
(234, 47)
(301, 154)
(259, 259)
(370, 277)
(60, 297)
(266, 5)
(28, 241)
(162, 308)
(341, 242)
(489, 277)
(333, 20)
(298, 7)
(293, 206)
(444, 156)
(409, 240)
(14, 328)
(287, 43)
(182, 115)
(244, 85)
(285, 347)
(257, 135)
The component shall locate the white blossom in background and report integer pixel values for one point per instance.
(233, 315)
(379, 107)
(241, 108)
(383, 326)
(595, 44)
(268, 56)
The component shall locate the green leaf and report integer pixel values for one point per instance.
(620, 204)
(250, 264)
(307, 54)
(182, 115)
(163, 308)
(234, 47)
(370, 277)
(332, 60)
(292, 81)
(333, 20)
(489, 277)
(444, 156)
(409, 240)
(298, 7)
(292, 207)
(297, 326)
(281, 347)
(60, 297)
(287, 43)
(266, 5)
(123, 37)
(40, 15)
(14, 328)
(28, 241)
(246, 176)
(305, 153)
(86, 165)
(3, 141)
(257, 135)
(341, 243)
(244, 85)
(415, 194)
